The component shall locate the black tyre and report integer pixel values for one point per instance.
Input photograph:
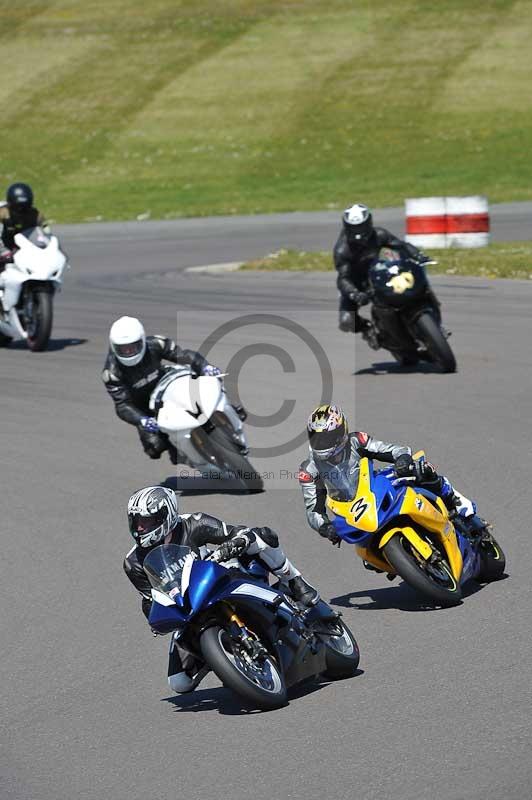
(430, 333)
(262, 685)
(492, 560)
(433, 580)
(343, 655)
(5, 340)
(39, 326)
(224, 452)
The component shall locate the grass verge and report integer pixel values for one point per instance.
(498, 260)
(122, 109)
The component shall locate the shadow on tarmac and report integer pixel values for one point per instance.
(227, 703)
(401, 597)
(53, 344)
(394, 368)
(186, 486)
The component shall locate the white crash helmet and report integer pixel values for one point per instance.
(152, 513)
(128, 340)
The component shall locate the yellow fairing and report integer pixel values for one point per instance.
(420, 510)
(360, 513)
(424, 549)
(374, 558)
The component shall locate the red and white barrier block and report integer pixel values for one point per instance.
(439, 222)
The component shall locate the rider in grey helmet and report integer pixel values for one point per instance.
(154, 518)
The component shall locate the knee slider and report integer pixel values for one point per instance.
(180, 683)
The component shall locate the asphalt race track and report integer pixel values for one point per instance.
(441, 707)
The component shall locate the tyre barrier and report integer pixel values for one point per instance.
(439, 222)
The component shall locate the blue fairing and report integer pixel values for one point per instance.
(470, 556)
(165, 619)
(208, 584)
(204, 577)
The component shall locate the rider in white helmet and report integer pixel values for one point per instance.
(355, 250)
(133, 368)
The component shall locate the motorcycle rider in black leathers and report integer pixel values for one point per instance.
(133, 367)
(154, 519)
(17, 214)
(332, 447)
(355, 251)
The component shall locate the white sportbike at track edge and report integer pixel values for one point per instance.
(27, 288)
(203, 426)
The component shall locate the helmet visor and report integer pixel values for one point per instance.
(329, 446)
(128, 350)
(140, 526)
(359, 233)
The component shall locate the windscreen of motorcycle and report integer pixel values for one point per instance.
(165, 567)
(341, 481)
(186, 402)
(396, 280)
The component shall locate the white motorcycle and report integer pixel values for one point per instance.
(27, 287)
(203, 426)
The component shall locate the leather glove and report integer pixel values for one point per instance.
(149, 424)
(406, 467)
(328, 531)
(211, 371)
(360, 298)
(231, 549)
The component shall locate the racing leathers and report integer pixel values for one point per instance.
(13, 224)
(313, 478)
(353, 261)
(130, 387)
(199, 532)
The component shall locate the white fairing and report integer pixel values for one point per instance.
(187, 402)
(30, 263)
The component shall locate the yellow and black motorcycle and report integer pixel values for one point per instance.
(404, 530)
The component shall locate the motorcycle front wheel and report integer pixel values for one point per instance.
(39, 319)
(431, 335)
(259, 682)
(433, 580)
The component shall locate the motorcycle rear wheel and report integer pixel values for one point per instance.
(226, 456)
(437, 345)
(492, 561)
(262, 686)
(441, 588)
(40, 327)
(343, 655)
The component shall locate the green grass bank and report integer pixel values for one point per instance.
(498, 260)
(115, 109)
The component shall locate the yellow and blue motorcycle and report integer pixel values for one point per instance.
(404, 530)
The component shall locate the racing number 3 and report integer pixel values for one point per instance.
(359, 508)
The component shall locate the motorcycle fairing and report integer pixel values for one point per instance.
(376, 495)
(372, 505)
(187, 402)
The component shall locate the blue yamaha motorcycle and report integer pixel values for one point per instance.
(256, 639)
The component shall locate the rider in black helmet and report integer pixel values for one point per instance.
(354, 252)
(17, 214)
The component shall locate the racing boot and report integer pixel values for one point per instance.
(303, 592)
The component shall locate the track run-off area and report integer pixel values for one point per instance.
(441, 707)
